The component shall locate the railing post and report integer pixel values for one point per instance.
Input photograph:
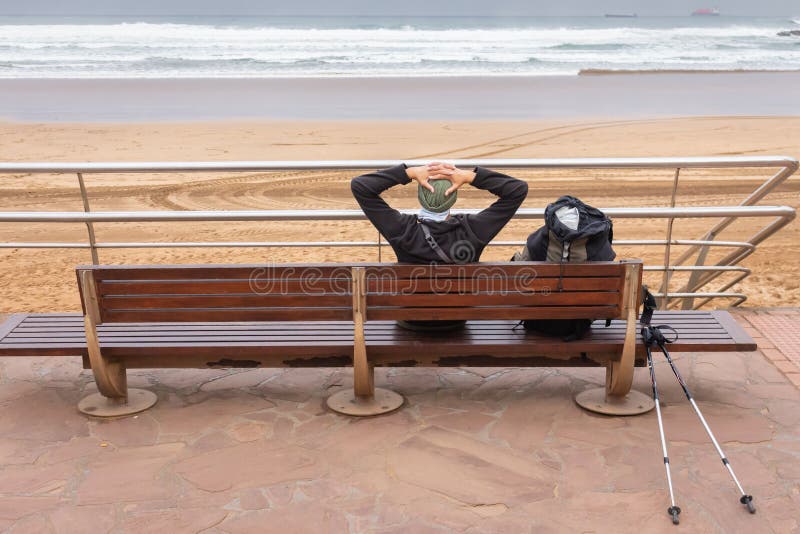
(694, 279)
(667, 273)
(89, 224)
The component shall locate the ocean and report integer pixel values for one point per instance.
(266, 47)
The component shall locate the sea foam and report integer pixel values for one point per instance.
(444, 47)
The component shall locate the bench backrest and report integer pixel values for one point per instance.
(217, 293)
(508, 290)
(324, 292)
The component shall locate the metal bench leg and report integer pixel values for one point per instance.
(617, 398)
(114, 398)
(365, 399)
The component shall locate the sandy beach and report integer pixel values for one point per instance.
(43, 280)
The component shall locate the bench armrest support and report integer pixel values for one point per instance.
(110, 376)
(363, 371)
(619, 375)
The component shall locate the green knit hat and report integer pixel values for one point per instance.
(435, 200)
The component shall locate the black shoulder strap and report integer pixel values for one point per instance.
(649, 302)
(434, 245)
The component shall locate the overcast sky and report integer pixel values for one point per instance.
(394, 7)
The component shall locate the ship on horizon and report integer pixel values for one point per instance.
(621, 15)
(706, 12)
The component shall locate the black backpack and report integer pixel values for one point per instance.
(557, 242)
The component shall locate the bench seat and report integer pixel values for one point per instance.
(330, 344)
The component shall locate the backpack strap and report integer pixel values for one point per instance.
(565, 252)
(433, 244)
(649, 302)
(654, 334)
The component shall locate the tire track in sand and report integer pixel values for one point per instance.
(561, 132)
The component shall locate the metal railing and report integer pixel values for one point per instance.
(700, 273)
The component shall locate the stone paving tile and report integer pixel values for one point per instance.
(186, 520)
(472, 451)
(780, 328)
(69, 519)
(43, 414)
(794, 378)
(132, 474)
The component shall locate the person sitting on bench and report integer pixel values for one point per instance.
(434, 235)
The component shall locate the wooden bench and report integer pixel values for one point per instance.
(331, 315)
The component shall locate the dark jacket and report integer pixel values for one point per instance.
(462, 237)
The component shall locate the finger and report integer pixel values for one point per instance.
(453, 188)
(427, 186)
(442, 170)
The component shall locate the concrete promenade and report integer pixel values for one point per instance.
(473, 450)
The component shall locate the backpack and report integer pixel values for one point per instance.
(573, 232)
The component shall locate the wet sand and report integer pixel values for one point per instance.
(627, 95)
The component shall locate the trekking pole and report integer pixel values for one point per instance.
(647, 336)
(745, 499)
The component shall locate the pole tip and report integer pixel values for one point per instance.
(747, 500)
(674, 511)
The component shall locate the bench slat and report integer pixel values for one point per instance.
(510, 312)
(390, 329)
(320, 326)
(495, 269)
(218, 272)
(11, 323)
(482, 285)
(328, 270)
(309, 302)
(733, 328)
(564, 298)
(389, 332)
(324, 286)
(373, 339)
(232, 314)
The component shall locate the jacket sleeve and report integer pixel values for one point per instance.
(367, 191)
(512, 193)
